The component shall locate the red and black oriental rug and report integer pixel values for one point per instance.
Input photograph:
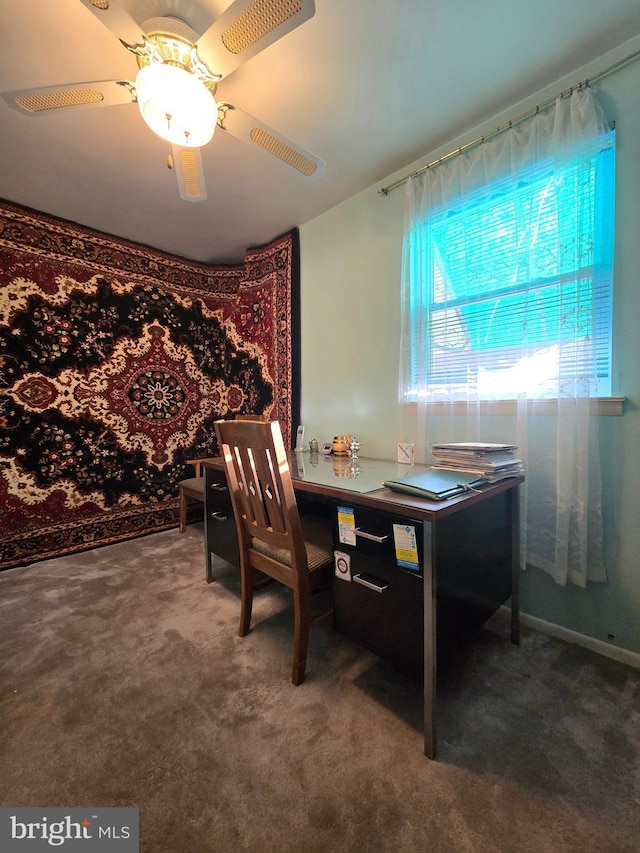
(115, 360)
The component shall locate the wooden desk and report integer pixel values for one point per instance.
(468, 545)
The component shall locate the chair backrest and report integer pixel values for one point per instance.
(259, 480)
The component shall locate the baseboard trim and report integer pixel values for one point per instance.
(623, 655)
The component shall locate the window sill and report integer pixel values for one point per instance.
(601, 406)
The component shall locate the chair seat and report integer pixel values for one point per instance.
(194, 484)
(317, 539)
(192, 488)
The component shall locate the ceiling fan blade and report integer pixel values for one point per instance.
(51, 99)
(187, 163)
(248, 27)
(119, 22)
(247, 128)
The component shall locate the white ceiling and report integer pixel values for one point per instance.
(367, 85)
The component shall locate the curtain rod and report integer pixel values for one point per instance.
(485, 136)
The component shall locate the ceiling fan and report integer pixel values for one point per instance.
(179, 71)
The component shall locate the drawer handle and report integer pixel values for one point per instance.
(219, 516)
(219, 487)
(371, 583)
(370, 536)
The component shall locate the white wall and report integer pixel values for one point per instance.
(350, 265)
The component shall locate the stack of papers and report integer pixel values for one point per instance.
(492, 462)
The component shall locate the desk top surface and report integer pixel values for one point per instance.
(360, 481)
(362, 474)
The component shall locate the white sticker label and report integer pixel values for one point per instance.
(342, 565)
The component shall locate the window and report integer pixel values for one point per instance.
(511, 287)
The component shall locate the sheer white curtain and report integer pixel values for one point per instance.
(506, 296)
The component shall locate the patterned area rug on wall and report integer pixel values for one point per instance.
(115, 360)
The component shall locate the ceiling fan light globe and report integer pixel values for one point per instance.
(176, 105)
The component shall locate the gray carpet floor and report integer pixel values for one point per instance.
(123, 682)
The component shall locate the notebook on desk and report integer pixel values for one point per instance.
(436, 485)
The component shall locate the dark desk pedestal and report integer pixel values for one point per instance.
(385, 613)
(220, 534)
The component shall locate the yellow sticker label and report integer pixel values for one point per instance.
(404, 537)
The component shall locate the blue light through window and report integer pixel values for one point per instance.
(511, 289)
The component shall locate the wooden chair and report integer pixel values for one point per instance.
(193, 489)
(272, 536)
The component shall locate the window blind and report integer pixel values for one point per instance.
(512, 289)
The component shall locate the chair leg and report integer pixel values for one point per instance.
(183, 511)
(246, 599)
(301, 639)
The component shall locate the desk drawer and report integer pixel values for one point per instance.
(220, 525)
(218, 497)
(381, 608)
(391, 539)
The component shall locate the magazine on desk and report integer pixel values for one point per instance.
(478, 447)
(436, 484)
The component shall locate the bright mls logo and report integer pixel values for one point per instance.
(81, 830)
